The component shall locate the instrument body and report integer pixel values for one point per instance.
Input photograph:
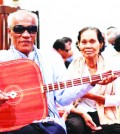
(23, 81)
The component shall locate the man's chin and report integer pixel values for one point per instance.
(26, 51)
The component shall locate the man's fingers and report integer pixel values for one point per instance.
(2, 97)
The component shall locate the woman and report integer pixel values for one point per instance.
(90, 111)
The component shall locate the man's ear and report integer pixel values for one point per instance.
(9, 32)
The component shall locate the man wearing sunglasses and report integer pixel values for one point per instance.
(22, 29)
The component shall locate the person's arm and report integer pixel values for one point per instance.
(107, 100)
(114, 100)
(95, 97)
(87, 118)
(68, 95)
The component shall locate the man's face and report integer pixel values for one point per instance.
(23, 34)
(68, 52)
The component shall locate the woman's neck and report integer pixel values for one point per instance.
(92, 65)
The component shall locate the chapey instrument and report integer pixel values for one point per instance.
(22, 80)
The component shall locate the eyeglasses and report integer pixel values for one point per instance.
(19, 29)
(67, 50)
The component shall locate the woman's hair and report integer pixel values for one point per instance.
(117, 43)
(99, 36)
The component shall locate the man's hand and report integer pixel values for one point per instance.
(3, 97)
(106, 80)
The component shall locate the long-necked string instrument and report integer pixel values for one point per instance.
(22, 81)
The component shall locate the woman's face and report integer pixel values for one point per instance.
(89, 44)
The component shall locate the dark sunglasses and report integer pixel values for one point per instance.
(67, 50)
(19, 29)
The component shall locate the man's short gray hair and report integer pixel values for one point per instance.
(21, 12)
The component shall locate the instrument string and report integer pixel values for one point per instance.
(68, 83)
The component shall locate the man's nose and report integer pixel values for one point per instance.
(25, 33)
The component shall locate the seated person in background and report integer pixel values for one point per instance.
(63, 48)
(75, 51)
(110, 36)
(112, 100)
(68, 42)
(117, 43)
(90, 112)
(22, 29)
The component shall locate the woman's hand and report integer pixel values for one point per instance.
(89, 122)
(87, 118)
(108, 78)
